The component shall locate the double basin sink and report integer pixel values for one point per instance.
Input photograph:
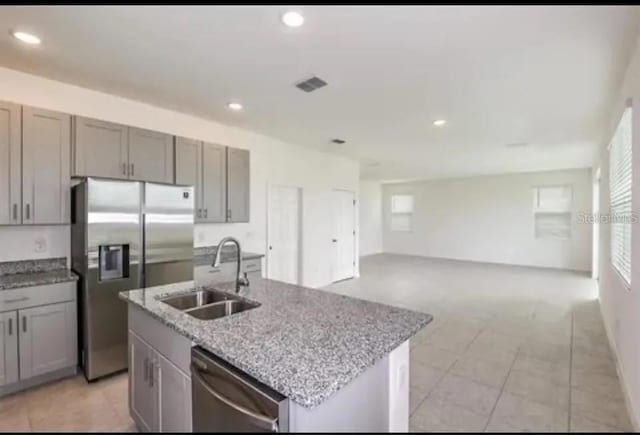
(209, 304)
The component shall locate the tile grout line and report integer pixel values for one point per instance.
(501, 390)
(570, 372)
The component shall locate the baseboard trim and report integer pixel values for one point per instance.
(628, 401)
(38, 380)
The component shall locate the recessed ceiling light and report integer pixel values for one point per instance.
(292, 19)
(439, 122)
(234, 106)
(27, 38)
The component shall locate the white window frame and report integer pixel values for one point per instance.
(620, 188)
(401, 218)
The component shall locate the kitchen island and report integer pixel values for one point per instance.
(342, 363)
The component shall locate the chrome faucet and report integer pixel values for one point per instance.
(241, 281)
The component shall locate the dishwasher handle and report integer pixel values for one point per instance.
(262, 421)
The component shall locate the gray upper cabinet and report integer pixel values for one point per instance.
(150, 155)
(48, 339)
(10, 164)
(187, 161)
(238, 185)
(100, 148)
(213, 191)
(46, 184)
(8, 348)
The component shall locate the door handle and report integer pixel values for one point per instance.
(206, 212)
(262, 421)
(151, 372)
(229, 214)
(24, 323)
(132, 169)
(28, 211)
(13, 301)
(124, 168)
(10, 326)
(15, 212)
(199, 213)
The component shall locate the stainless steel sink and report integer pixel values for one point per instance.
(209, 304)
(196, 299)
(221, 309)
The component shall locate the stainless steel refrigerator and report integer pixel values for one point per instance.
(124, 235)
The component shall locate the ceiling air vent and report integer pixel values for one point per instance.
(338, 141)
(311, 84)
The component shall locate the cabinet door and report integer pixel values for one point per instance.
(238, 166)
(8, 347)
(99, 148)
(174, 391)
(10, 164)
(46, 184)
(213, 183)
(150, 155)
(48, 339)
(142, 395)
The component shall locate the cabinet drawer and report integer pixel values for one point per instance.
(254, 265)
(26, 297)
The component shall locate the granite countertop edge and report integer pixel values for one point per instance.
(309, 400)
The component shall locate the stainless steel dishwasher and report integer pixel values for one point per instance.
(228, 400)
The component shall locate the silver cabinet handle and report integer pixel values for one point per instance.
(262, 421)
(28, 211)
(151, 374)
(146, 369)
(13, 301)
(132, 169)
(199, 214)
(206, 212)
(229, 214)
(10, 326)
(15, 212)
(124, 168)
(24, 323)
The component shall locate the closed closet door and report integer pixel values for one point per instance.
(343, 240)
(283, 255)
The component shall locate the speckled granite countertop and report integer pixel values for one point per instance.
(204, 255)
(304, 343)
(30, 273)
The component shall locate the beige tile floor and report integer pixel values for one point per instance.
(510, 349)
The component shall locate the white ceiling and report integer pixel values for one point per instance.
(544, 75)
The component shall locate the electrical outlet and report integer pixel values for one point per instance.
(40, 244)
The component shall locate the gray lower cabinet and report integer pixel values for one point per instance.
(238, 181)
(142, 399)
(8, 348)
(48, 340)
(46, 184)
(174, 391)
(100, 148)
(159, 392)
(10, 164)
(150, 155)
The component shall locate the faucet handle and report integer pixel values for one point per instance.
(245, 281)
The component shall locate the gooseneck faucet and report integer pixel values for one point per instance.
(241, 281)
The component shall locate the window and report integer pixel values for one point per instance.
(552, 212)
(401, 212)
(620, 196)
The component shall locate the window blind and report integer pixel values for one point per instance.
(620, 196)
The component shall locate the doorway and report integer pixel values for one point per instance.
(283, 234)
(344, 235)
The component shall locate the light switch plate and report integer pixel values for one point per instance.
(40, 244)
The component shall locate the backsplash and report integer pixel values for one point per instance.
(30, 266)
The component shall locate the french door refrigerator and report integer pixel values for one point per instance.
(124, 235)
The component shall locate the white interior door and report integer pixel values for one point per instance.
(283, 254)
(595, 273)
(343, 235)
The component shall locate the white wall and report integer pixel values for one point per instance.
(370, 210)
(490, 219)
(620, 305)
(272, 161)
